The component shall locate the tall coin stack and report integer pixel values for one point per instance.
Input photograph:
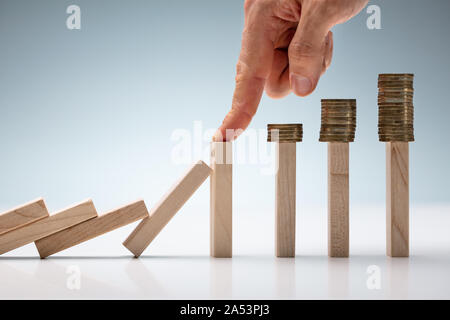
(291, 132)
(338, 120)
(395, 107)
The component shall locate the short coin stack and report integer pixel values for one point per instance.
(395, 107)
(338, 120)
(285, 132)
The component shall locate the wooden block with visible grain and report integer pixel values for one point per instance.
(397, 199)
(47, 226)
(221, 245)
(91, 228)
(164, 211)
(338, 199)
(285, 196)
(23, 215)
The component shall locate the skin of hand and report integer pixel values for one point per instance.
(286, 46)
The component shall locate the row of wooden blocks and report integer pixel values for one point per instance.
(64, 229)
(53, 233)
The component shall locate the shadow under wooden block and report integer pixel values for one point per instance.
(45, 227)
(92, 228)
(23, 215)
(164, 211)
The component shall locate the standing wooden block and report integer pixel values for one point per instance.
(90, 229)
(397, 199)
(221, 200)
(164, 211)
(285, 199)
(47, 226)
(23, 215)
(338, 199)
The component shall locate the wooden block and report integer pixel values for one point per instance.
(23, 215)
(338, 199)
(169, 205)
(47, 226)
(285, 199)
(397, 199)
(92, 228)
(221, 200)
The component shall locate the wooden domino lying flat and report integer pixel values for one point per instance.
(91, 228)
(164, 211)
(47, 226)
(23, 215)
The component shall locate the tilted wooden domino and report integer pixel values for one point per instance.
(164, 211)
(91, 228)
(47, 226)
(221, 200)
(23, 215)
(285, 136)
(338, 129)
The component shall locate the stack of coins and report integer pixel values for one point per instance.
(395, 107)
(338, 120)
(291, 132)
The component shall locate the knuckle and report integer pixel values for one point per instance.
(331, 10)
(259, 4)
(302, 49)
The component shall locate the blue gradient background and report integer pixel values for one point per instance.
(90, 112)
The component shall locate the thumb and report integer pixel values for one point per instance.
(307, 53)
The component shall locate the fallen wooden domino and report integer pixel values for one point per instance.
(221, 200)
(285, 136)
(396, 128)
(23, 215)
(91, 228)
(164, 211)
(338, 129)
(47, 226)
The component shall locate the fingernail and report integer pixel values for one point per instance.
(300, 84)
(217, 137)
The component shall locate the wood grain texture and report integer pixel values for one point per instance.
(285, 196)
(23, 215)
(92, 228)
(397, 199)
(47, 226)
(221, 245)
(166, 208)
(338, 199)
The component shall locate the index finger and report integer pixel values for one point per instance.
(253, 69)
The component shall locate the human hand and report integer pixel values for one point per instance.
(286, 46)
